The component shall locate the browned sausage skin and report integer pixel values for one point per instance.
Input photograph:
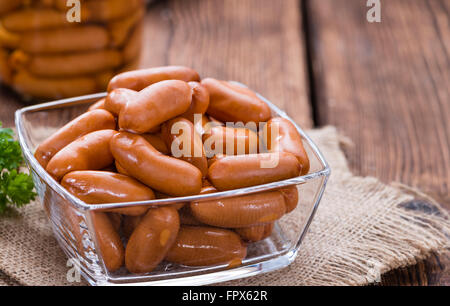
(256, 233)
(234, 172)
(184, 143)
(233, 103)
(80, 126)
(116, 100)
(281, 135)
(290, 195)
(205, 246)
(90, 152)
(163, 173)
(200, 101)
(139, 79)
(100, 187)
(152, 239)
(110, 244)
(242, 211)
(154, 105)
(231, 141)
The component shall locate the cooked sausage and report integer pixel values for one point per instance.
(109, 241)
(100, 104)
(255, 233)
(129, 224)
(163, 173)
(230, 141)
(120, 29)
(290, 195)
(157, 142)
(200, 101)
(241, 211)
(233, 103)
(71, 39)
(184, 143)
(100, 187)
(116, 220)
(90, 152)
(205, 246)
(140, 79)
(80, 126)
(233, 172)
(186, 217)
(287, 139)
(152, 239)
(118, 98)
(68, 65)
(33, 19)
(154, 105)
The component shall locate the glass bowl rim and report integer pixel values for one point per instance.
(79, 204)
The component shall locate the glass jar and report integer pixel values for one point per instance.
(52, 49)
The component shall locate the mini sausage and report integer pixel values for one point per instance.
(70, 39)
(287, 139)
(186, 217)
(90, 152)
(234, 172)
(233, 103)
(290, 195)
(255, 233)
(53, 88)
(33, 19)
(242, 211)
(68, 65)
(163, 173)
(206, 246)
(184, 143)
(100, 104)
(109, 242)
(154, 105)
(116, 220)
(129, 224)
(120, 29)
(157, 142)
(118, 98)
(200, 101)
(80, 126)
(152, 239)
(140, 79)
(100, 187)
(230, 141)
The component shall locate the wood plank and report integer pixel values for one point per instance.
(256, 42)
(386, 86)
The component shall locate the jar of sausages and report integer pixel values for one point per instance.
(53, 49)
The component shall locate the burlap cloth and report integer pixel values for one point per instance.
(362, 229)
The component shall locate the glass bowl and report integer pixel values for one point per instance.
(72, 223)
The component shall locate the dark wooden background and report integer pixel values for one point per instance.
(385, 85)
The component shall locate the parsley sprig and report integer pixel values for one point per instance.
(16, 189)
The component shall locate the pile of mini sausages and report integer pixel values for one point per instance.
(121, 150)
(44, 55)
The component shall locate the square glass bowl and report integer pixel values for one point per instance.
(72, 224)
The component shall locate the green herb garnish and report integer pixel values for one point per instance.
(16, 189)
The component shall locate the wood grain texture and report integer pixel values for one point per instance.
(256, 42)
(386, 86)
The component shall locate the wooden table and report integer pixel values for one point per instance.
(385, 85)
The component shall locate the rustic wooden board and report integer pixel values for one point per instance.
(256, 42)
(386, 86)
